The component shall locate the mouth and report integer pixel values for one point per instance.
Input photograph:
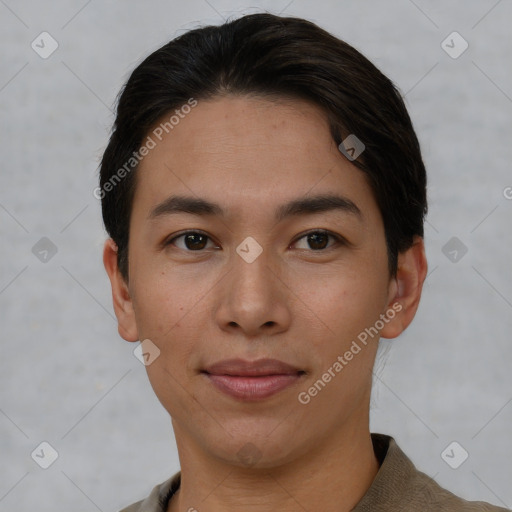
(252, 381)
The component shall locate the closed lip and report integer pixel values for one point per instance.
(257, 368)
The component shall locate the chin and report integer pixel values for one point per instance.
(256, 448)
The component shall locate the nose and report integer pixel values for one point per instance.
(254, 298)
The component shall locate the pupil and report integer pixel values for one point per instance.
(197, 241)
(191, 241)
(316, 239)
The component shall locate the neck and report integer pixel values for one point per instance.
(332, 477)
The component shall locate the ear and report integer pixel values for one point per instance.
(405, 289)
(122, 301)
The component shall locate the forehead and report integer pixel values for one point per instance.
(235, 127)
(256, 149)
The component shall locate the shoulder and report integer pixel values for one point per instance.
(159, 497)
(400, 486)
(424, 493)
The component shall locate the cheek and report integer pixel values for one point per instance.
(155, 305)
(343, 304)
(164, 308)
(163, 314)
(171, 309)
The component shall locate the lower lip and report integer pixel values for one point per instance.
(252, 388)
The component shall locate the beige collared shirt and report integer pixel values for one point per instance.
(398, 486)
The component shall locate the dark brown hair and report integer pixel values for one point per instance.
(272, 56)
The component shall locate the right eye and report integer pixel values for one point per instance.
(191, 241)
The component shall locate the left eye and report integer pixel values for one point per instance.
(317, 240)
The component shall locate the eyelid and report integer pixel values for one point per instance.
(168, 241)
(340, 240)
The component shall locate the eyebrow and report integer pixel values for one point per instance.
(297, 207)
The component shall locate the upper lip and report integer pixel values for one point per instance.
(259, 367)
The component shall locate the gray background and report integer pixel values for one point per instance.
(67, 378)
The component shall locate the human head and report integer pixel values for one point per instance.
(273, 57)
(238, 166)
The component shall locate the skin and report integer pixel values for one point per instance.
(293, 303)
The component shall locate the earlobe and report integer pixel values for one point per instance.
(407, 287)
(123, 305)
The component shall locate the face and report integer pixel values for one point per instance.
(276, 250)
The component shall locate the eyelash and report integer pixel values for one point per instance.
(338, 239)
